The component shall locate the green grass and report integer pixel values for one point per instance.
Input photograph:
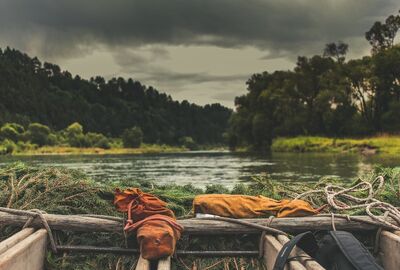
(67, 150)
(380, 144)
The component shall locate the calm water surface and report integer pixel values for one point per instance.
(203, 168)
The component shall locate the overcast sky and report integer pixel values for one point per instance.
(199, 50)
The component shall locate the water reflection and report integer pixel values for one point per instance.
(203, 168)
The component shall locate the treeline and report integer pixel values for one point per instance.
(17, 138)
(32, 92)
(325, 94)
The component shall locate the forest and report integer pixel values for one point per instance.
(42, 94)
(325, 95)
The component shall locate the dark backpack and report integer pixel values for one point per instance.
(336, 250)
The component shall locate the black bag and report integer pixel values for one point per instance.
(337, 250)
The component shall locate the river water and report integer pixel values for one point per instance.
(204, 168)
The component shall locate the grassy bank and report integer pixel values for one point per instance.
(64, 191)
(380, 144)
(68, 150)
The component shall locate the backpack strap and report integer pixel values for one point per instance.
(354, 251)
(305, 241)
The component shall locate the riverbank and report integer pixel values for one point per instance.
(373, 145)
(68, 150)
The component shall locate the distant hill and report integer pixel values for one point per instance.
(34, 92)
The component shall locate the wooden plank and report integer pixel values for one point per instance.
(15, 239)
(142, 264)
(164, 264)
(130, 251)
(27, 254)
(390, 250)
(195, 226)
(308, 262)
(271, 248)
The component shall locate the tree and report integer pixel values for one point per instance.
(11, 131)
(386, 79)
(310, 87)
(75, 136)
(262, 129)
(132, 137)
(381, 36)
(74, 129)
(189, 143)
(97, 140)
(337, 51)
(38, 133)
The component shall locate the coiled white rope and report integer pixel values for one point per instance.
(341, 199)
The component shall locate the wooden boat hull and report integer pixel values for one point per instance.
(29, 245)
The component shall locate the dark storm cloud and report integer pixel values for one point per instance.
(67, 27)
(143, 62)
(163, 75)
(225, 95)
(139, 35)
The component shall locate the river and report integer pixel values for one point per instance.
(204, 168)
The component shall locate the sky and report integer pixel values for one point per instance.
(199, 50)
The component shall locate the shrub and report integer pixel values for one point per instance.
(24, 146)
(97, 140)
(20, 129)
(132, 137)
(38, 134)
(75, 129)
(189, 143)
(75, 136)
(216, 189)
(52, 139)
(7, 147)
(11, 131)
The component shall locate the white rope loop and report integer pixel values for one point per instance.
(340, 199)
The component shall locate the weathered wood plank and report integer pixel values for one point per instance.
(142, 264)
(164, 264)
(15, 239)
(271, 248)
(390, 250)
(308, 262)
(195, 226)
(27, 254)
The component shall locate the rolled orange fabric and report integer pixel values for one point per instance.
(157, 236)
(243, 206)
(142, 204)
(296, 208)
(154, 224)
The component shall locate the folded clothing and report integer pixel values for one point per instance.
(243, 206)
(154, 224)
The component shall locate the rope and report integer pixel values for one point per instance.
(261, 243)
(333, 221)
(32, 214)
(132, 226)
(341, 199)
